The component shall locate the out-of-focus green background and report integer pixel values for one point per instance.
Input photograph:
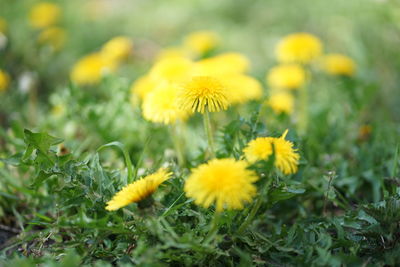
(367, 30)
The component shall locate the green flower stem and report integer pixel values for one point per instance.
(255, 208)
(176, 139)
(303, 112)
(213, 228)
(207, 128)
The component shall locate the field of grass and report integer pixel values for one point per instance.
(200, 133)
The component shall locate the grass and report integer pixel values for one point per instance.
(58, 169)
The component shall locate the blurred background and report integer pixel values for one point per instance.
(366, 30)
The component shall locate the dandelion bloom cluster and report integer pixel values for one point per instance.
(201, 42)
(138, 190)
(4, 81)
(44, 14)
(160, 106)
(337, 64)
(210, 84)
(281, 102)
(286, 157)
(299, 47)
(91, 68)
(203, 93)
(286, 76)
(226, 182)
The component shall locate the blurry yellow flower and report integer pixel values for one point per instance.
(223, 64)
(241, 88)
(286, 157)
(3, 25)
(58, 110)
(298, 47)
(289, 76)
(202, 41)
(160, 105)
(281, 102)
(138, 190)
(4, 81)
(226, 182)
(173, 52)
(203, 93)
(53, 36)
(44, 14)
(117, 49)
(337, 64)
(90, 69)
(364, 132)
(144, 85)
(176, 69)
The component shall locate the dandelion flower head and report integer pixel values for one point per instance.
(226, 182)
(177, 69)
(337, 64)
(201, 42)
(203, 93)
(3, 25)
(298, 47)
(173, 52)
(281, 102)
(4, 81)
(223, 64)
(160, 105)
(138, 190)
(44, 14)
(91, 68)
(53, 36)
(288, 76)
(143, 86)
(286, 157)
(241, 88)
(118, 48)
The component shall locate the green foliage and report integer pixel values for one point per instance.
(342, 207)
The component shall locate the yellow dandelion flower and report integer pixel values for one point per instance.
(226, 182)
(44, 14)
(299, 47)
(160, 105)
(53, 36)
(286, 157)
(203, 93)
(177, 69)
(138, 190)
(337, 64)
(144, 85)
(241, 88)
(281, 102)
(117, 49)
(4, 81)
(90, 69)
(364, 132)
(223, 64)
(289, 76)
(58, 110)
(202, 41)
(173, 52)
(3, 25)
